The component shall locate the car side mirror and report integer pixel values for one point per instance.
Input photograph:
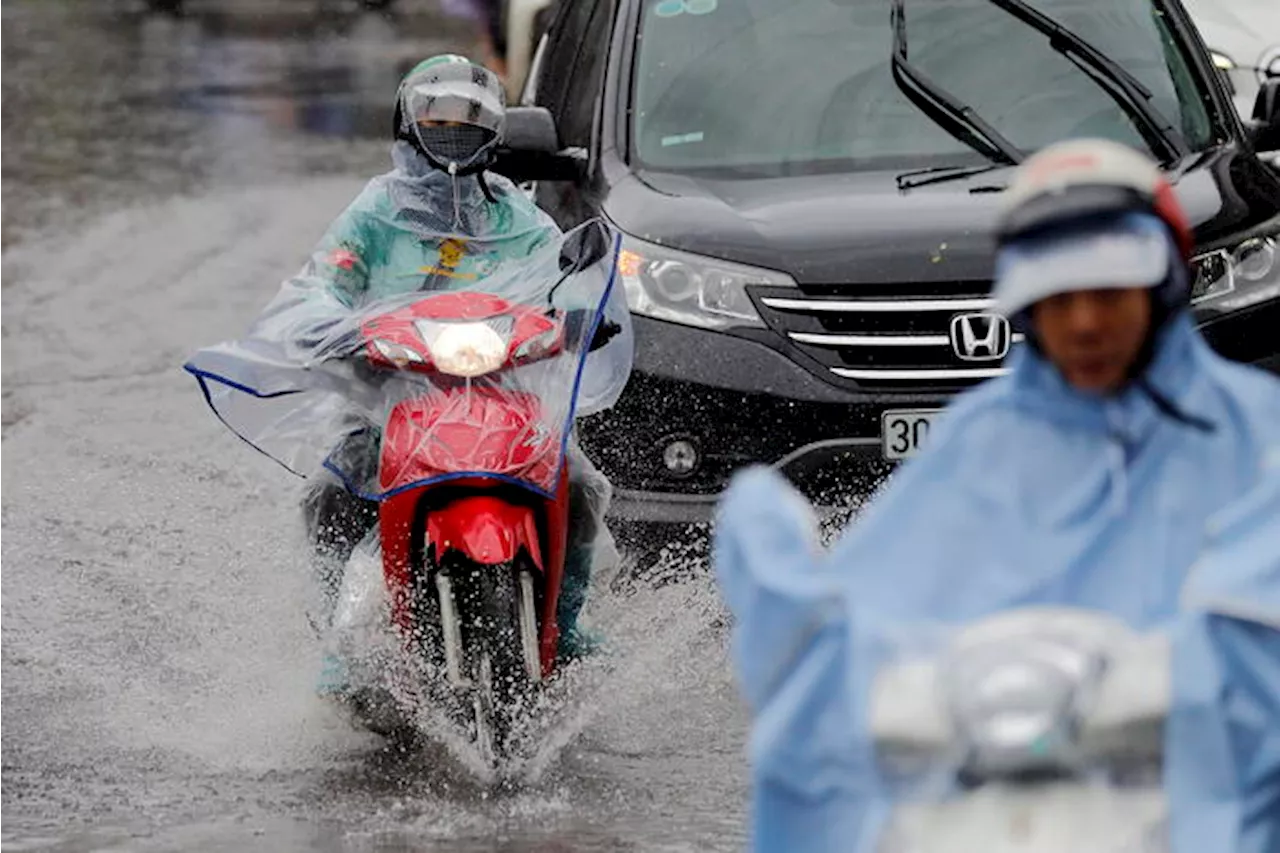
(1265, 126)
(530, 149)
(531, 129)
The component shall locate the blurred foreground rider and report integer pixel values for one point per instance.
(1118, 452)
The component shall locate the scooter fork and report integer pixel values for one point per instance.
(451, 632)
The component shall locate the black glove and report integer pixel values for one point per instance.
(576, 321)
(605, 332)
(366, 371)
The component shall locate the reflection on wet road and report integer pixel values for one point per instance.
(160, 177)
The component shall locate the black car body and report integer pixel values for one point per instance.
(797, 272)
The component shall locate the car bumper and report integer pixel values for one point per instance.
(859, 458)
(738, 402)
(1251, 336)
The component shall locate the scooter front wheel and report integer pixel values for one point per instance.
(493, 659)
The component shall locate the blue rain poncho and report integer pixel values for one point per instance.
(1029, 493)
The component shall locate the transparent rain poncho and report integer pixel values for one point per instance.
(467, 352)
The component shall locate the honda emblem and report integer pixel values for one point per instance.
(980, 337)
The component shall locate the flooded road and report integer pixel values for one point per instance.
(161, 176)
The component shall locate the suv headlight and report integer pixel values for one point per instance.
(682, 287)
(1236, 277)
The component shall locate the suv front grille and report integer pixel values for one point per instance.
(885, 339)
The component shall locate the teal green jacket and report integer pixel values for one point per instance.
(416, 228)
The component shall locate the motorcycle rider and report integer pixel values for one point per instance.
(450, 114)
(436, 221)
(1118, 452)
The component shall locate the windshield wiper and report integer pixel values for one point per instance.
(939, 174)
(952, 115)
(1125, 89)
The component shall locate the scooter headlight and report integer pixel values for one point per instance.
(1016, 713)
(1221, 61)
(1016, 690)
(466, 349)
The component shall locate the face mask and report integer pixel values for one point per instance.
(459, 144)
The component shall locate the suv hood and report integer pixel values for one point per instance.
(819, 228)
(850, 228)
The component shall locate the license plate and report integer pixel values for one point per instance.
(903, 432)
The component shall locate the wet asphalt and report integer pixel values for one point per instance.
(161, 175)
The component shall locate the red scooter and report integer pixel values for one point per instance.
(472, 555)
(470, 397)
(474, 515)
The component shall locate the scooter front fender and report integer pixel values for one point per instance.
(487, 530)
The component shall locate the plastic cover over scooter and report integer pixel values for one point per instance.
(1026, 496)
(484, 377)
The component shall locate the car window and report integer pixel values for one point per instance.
(756, 86)
(556, 87)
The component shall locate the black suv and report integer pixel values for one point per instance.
(807, 188)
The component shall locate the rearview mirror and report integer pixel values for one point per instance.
(1265, 126)
(530, 149)
(531, 129)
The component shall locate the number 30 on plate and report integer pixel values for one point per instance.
(903, 432)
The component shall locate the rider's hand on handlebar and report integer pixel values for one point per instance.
(605, 332)
(365, 370)
(575, 321)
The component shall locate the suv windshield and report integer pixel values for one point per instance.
(771, 88)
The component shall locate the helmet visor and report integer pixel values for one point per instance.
(1133, 250)
(454, 120)
(464, 101)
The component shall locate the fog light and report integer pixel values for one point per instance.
(680, 457)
